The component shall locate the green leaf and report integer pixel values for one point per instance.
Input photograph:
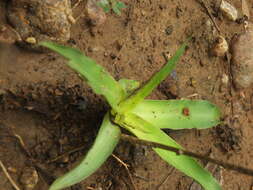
(189, 166)
(179, 114)
(121, 5)
(107, 138)
(105, 5)
(128, 86)
(117, 6)
(99, 80)
(152, 83)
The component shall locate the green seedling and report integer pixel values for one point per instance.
(115, 5)
(142, 117)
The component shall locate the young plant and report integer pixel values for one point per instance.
(142, 117)
(115, 5)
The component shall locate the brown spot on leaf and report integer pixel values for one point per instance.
(186, 111)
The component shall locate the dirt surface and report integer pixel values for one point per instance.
(53, 111)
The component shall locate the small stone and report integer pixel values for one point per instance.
(220, 47)
(193, 82)
(224, 79)
(143, 13)
(64, 159)
(71, 19)
(47, 20)
(58, 92)
(29, 178)
(167, 55)
(31, 40)
(12, 170)
(242, 59)
(228, 10)
(95, 13)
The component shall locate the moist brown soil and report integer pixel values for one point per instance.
(53, 111)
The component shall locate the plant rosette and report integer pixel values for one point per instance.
(142, 117)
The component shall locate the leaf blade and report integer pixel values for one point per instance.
(106, 140)
(98, 79)
(185, 164)
(152, 83)
(200, 114)
(128, 86)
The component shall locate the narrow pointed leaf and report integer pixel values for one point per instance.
(179, 114)
(99, 80)
(102, 148)
(152, 83)
(185, 164)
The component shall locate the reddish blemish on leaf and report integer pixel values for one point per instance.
(186, 111)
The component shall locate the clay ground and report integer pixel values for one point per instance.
(53, 111)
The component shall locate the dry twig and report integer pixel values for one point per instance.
(77, 4)
(8, 176)
(226, 165)
(203, 3)
(22, 144)
(127, 169)
(67, 153)
(165, 180)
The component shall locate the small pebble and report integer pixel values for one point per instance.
(192, 82)
(95, 13)
(64, 159)
(31, 40)
(71, 19)
(242, 59)
(228, 10)
(29, 178)
(167, 55)
(12, 170)
(143, 13)
(224, 79)
(220, 47)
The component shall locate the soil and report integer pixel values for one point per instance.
(54, 111)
